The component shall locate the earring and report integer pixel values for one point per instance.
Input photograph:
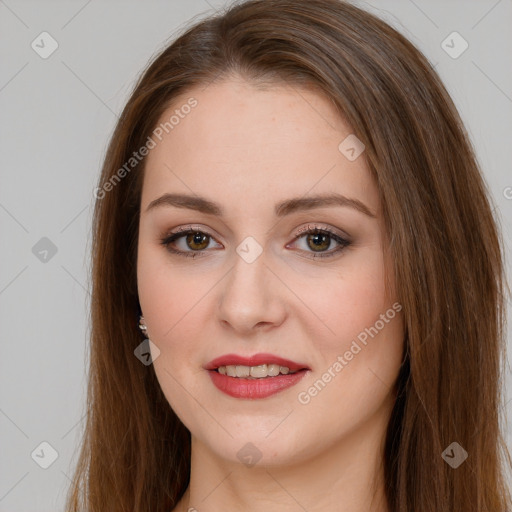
(142, 326)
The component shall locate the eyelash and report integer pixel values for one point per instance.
(172, 237)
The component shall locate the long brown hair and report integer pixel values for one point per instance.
(444, 243)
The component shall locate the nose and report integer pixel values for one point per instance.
(253, 298)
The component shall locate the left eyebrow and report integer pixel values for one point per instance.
(282, 209)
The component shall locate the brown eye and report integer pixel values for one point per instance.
(189, 242)
(320, 241)
(197, 241)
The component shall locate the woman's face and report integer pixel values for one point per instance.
(256, 285)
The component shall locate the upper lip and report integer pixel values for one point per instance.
(255, 360)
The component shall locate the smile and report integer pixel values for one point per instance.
(259, 376)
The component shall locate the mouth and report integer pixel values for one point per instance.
(259, 376)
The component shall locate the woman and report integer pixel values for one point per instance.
(291, 212)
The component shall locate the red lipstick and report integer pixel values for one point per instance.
(254, 388)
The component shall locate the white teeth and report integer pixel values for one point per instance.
(242, 371)
(259, 371)
(273, 370)
(253, 372)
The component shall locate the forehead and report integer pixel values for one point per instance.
(257, 143)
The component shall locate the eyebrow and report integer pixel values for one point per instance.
(282, 209)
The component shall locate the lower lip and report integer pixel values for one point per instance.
(251, 389)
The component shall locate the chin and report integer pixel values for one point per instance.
(262, 440)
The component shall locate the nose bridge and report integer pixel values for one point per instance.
(251, 294)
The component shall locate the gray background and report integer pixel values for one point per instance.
(56, 117)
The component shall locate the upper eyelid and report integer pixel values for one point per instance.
(184, 230)
(320, 227)
(303, 230)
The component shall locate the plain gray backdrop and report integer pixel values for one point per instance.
(57, 113)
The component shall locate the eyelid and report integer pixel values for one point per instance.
(299, 232)
(316, 226)
(188, 228)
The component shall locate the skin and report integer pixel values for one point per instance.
(247, 148)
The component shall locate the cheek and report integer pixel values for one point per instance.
(170, 301)
(167, 293)
(349, 301)
(357, 371)
(173, 298)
